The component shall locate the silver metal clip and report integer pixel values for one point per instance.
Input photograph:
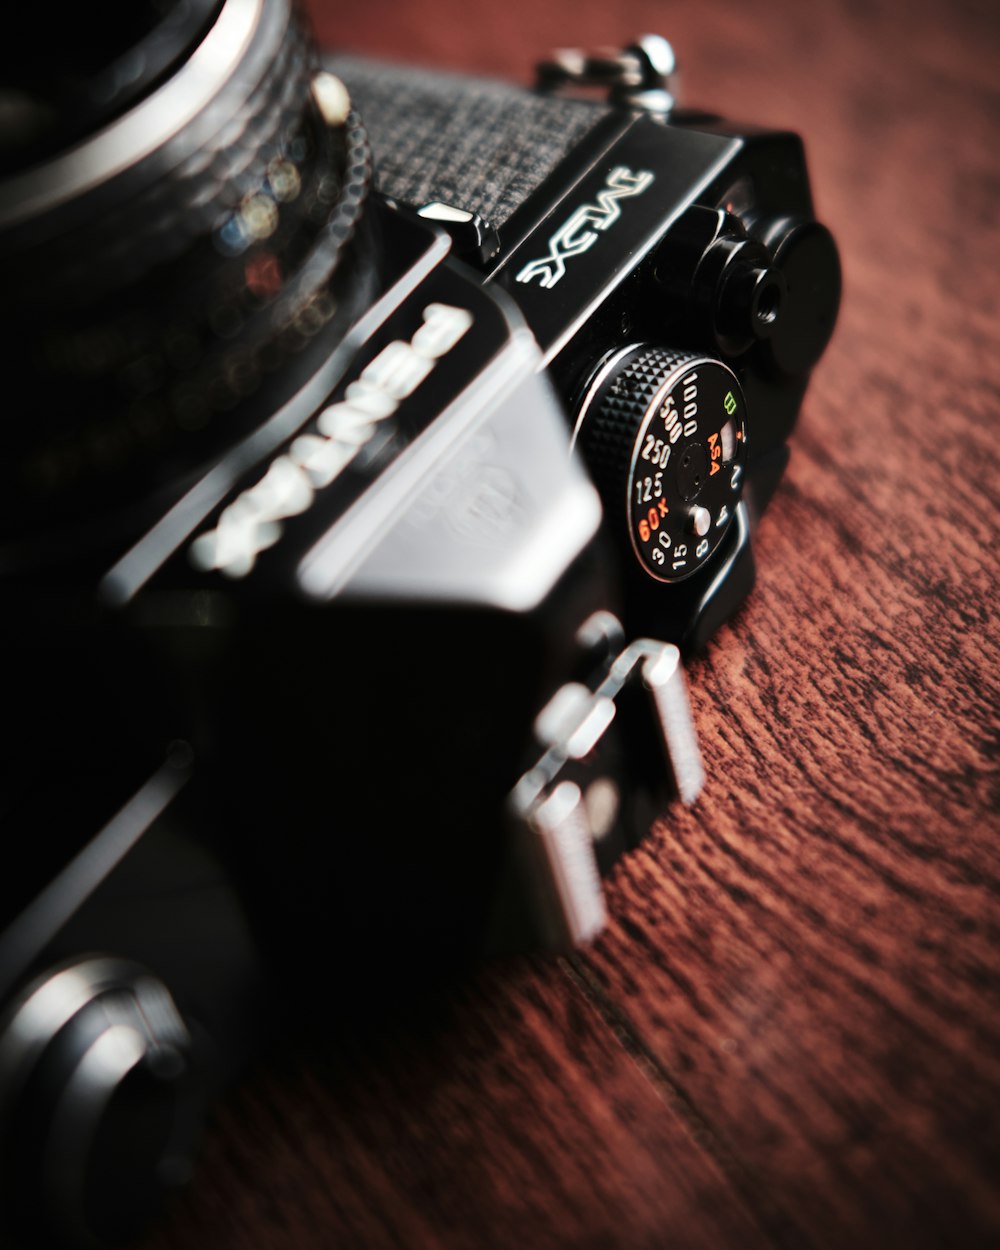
(638, 76)
(565, 805)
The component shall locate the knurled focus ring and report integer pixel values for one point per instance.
(152, 212)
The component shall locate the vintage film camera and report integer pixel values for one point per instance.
(358, 501)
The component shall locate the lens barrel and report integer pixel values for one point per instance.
(173, 277)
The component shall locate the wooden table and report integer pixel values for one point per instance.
(789, 1035)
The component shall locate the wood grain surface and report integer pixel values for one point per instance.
(789, 1036)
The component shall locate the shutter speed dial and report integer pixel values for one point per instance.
(664, 435)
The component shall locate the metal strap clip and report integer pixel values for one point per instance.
(638, 76)
(567, 802)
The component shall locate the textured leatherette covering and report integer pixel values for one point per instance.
(474, 143)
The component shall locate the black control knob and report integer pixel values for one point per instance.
(664, 435)
(806, 256)
(723, 283)
(99, 1109)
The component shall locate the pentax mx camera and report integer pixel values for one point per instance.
(378, 441)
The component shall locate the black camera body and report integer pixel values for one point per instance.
(640, 238)
(371, 493)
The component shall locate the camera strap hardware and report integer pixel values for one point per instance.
(638, 76)
(569, 808)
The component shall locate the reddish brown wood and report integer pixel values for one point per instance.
(506, 1113)
(790, 1034)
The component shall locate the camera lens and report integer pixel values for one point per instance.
(182, 231)
(64, 80)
